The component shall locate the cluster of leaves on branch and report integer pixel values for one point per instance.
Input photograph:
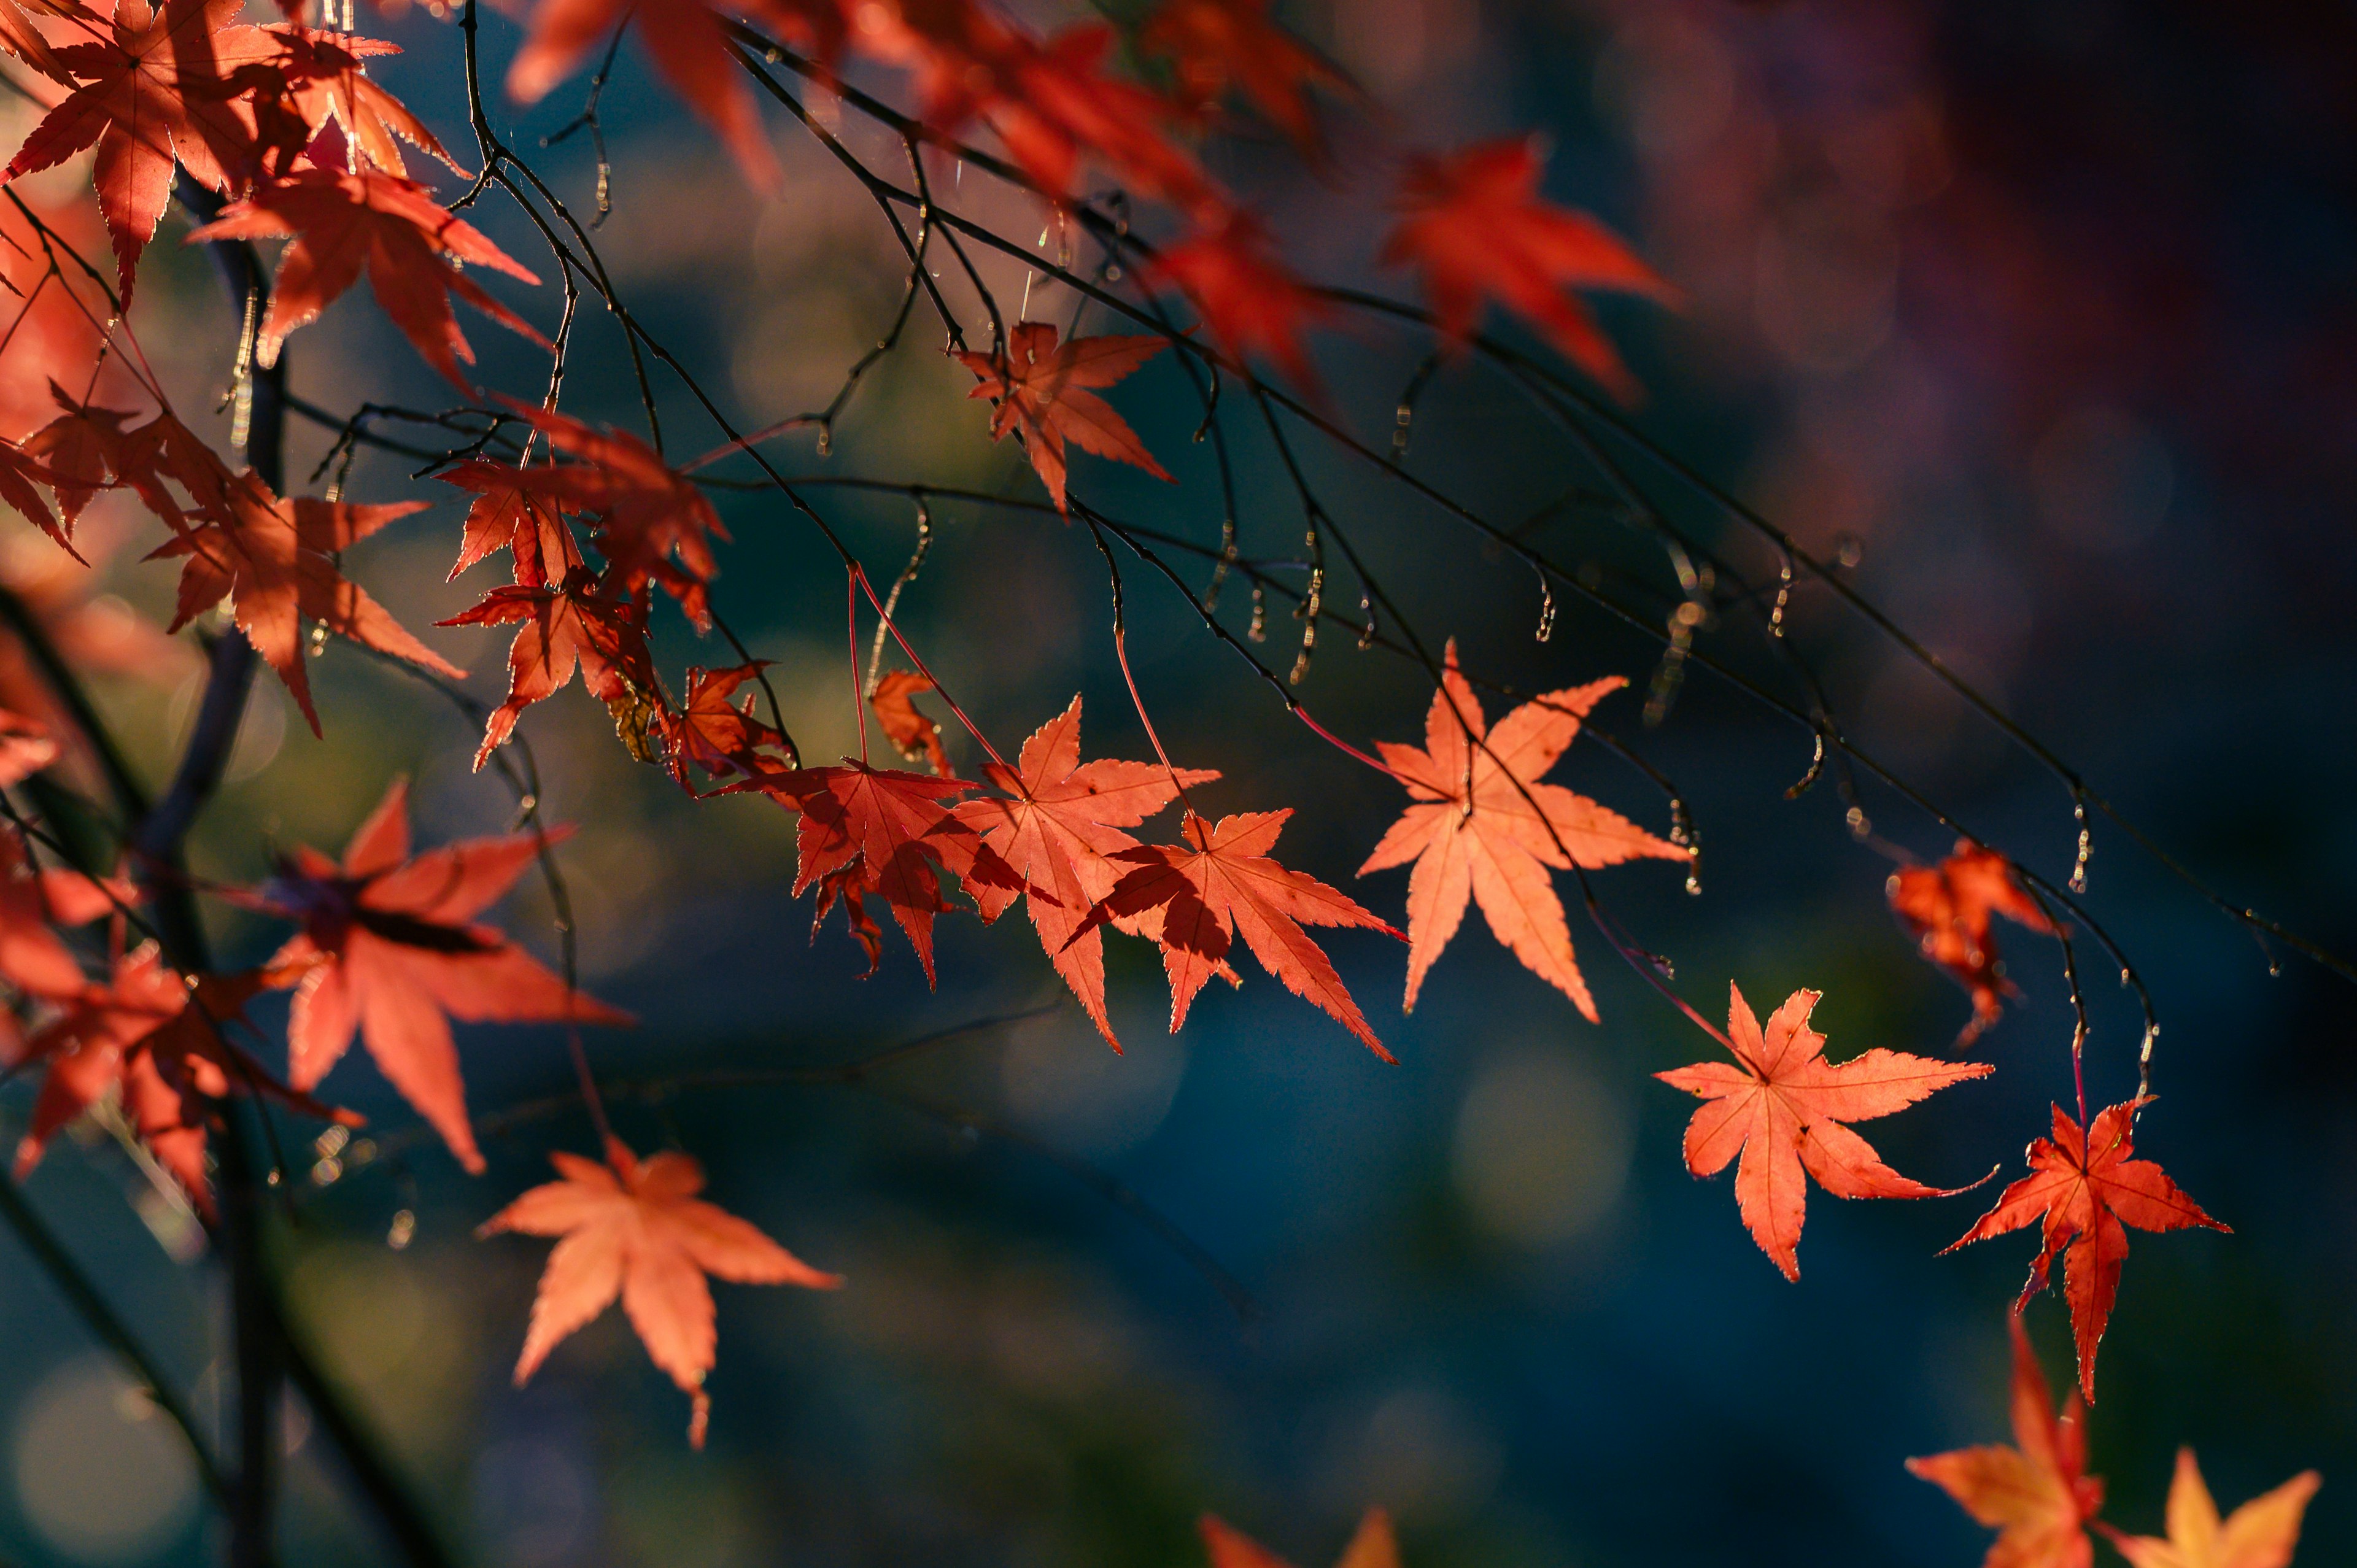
(283, 132)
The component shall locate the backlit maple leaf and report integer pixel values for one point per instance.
(325, 78)
(1373, 1545)
(1483, 827)
(1214, 45)
(21, 472)
(1781, 1106)
(150, 97)
(636, 1230)
(892, 831)
(2260, 1534)
(275, 557)
(1251, 303)
(410, 243)
(2038, 1495)
(573, 624)
(157, 1040)
(1192, 897)
(916, 737)
(1474, 225)
(1041, 390)
(1946, 907)
(390, 949)
(2085, 1189)
(1057, 824)
(508, 514)
(716, 734)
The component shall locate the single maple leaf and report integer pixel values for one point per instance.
(1052, 105)
(508, 514)
(155, 1039)
(717, 734)
(574, 624)
(2038, 1495)
(1372, 1546)
(1214, 45)
(1482, 827)
(898, 831)
(324, 76)
(649, 514)
(1946, 907)
(1250, 302)
(152, 96)
(390, 949)
(276, 557)
(2085, 1189)
(1474, 224)
(79, 453)
(1783, 1107)
(411, 244)
(1041, 390)
(2260, 1534)
(636, 1230)
(916, 737)
(1192, 897)
(1058, 825)
(20, 472)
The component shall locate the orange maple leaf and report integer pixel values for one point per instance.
(2085, 1189)
(1783, 1107)
(33, 958)
(916, 737)
(152, 97)
(508, 514)
(2037, 1496)
(390, 951)
(713, 733)
(573, 624)
(1214, 45)
(1042, 394)
(2262, 1533)
(636, 1230)
(1473, 223)
(324, 76)
(410, 243)
(1483, 827)
(1192, 897)
(1058, 825)
(275, 558)
(1372, 1546)
(1946, 907)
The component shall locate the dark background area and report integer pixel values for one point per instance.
(2040, 310)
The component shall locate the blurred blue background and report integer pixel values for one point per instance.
(2039, 310)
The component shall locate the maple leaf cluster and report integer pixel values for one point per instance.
(2037, 1495)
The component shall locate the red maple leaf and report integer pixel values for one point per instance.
(894, 828)
(1946, 907)
(33, 958)
(152, 97)
(1247, 298)
(716, 734)
(916, 737)
(154, 1038)
(277, 558)
(636, 1230)
(390, 949)
(1042, 394)
(1473, 223)
(1484, 828)
(21, 472)
(649, 514)
(2083, 1191)
(1058, 825)
(78, 453)
(1783, 1107)
(324, 77)
(410, 243)
(2037, 1495)
(508, 514)
(1192, 899)
(1372, 1546)
(1214, 45)
(574, 624)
